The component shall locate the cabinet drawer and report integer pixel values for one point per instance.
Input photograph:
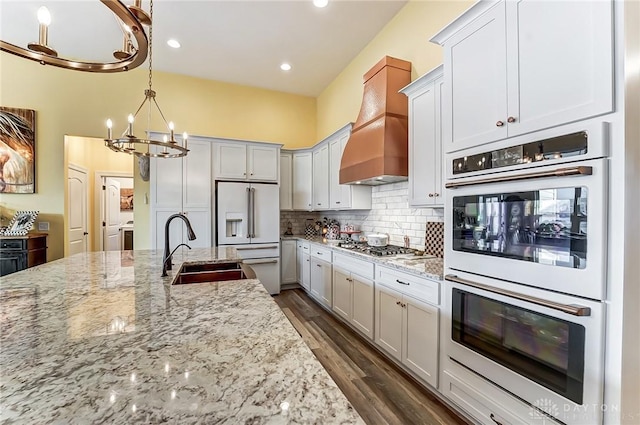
(485, 402)
(13, 244)
(321, 253)
(354, 265)
(412, 285)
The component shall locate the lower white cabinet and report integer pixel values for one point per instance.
(321, 287)
(353, 294)
(407, 329)
(288, 261)
(303, 265)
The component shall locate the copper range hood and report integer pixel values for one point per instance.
(377, 151)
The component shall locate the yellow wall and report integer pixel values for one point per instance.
(77, 103)
(91, 154)
(406, 37)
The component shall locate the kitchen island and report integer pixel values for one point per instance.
(102, 338)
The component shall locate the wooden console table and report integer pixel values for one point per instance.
(20, 252)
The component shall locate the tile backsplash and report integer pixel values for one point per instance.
(390, 213)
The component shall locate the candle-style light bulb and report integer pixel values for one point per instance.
(171, 131)
(185, 136)
(130, 130)
(44, 17)
(164, 150)
(109, 126)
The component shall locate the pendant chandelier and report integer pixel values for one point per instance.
(130, 19)
(128, 142)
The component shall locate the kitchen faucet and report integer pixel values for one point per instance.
(166, 258)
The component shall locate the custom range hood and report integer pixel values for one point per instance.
(377, 152)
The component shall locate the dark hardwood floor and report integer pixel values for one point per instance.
(379, 390)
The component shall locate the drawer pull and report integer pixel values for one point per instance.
(318, 265)
(401, 282)
(493, 418)
(398, 303)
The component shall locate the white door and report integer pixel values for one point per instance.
(302, 185)
(285, 181)
(362, 310)
(342, 293)
(263, 163)
(335, 189)
(196, 176)
(321, 178)
(422, 137)
(288, 261)
(475, 60)
(77, 198)
(560, 63)
(112, 215)
(265, 213)
(232, 203)
(420, 351)
(305, 279)
(389, 315)
(231, 160)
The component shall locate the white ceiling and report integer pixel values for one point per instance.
(236, 41)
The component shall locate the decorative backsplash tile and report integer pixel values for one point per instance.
(434, 239)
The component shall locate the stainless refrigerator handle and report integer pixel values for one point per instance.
(253, 212)
(574, 310)
(560, 172)
(248, 213)
(256, 247)
(251, 263)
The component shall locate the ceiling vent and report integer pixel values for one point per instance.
(377, 151)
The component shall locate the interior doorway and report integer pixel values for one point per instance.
(77, 187)
(115, 212)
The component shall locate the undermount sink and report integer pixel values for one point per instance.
(209, 272)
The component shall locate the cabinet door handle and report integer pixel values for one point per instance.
(493, 418)
(431, 195)
(398, 303)
(511, 119)
(318, 265)
(337, 202)
(401, 282)
(499, 123)
(436, 194)
(85, 233)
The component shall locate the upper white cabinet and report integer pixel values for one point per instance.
(302, 181)
(520, 66)
(344, 196)
(425, 140)
(237, 160)
(182, 185)
(321, 177)
(286, 180)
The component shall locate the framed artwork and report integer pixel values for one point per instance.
(17, 150)
(21, 223)
(126, 199)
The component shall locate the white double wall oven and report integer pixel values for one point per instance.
(526, 238)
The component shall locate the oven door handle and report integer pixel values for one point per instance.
(559, 172)
(574, 310)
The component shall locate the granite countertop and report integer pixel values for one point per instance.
(427, 266)
(102, 338)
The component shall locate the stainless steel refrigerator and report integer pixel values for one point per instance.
(248, 218)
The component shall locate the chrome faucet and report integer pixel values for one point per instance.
(166, 258)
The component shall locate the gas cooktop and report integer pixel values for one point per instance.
(378, 251)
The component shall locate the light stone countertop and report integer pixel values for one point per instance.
(427, 266)
(102, 338)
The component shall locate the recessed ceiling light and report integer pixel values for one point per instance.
(285, 67)
(320, 3)
(173, 43)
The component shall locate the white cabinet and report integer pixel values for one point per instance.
(237, 160)
(321, 177)
(182, 185)
(344, 196)
(353, 292)
(302, 181)
(522, 66)
(425, 140)
(286, 179)
(321, 286)
(406, 326)
(288, 261)
(303, 260)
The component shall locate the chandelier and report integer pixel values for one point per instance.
(129, 143)
(131, 20)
